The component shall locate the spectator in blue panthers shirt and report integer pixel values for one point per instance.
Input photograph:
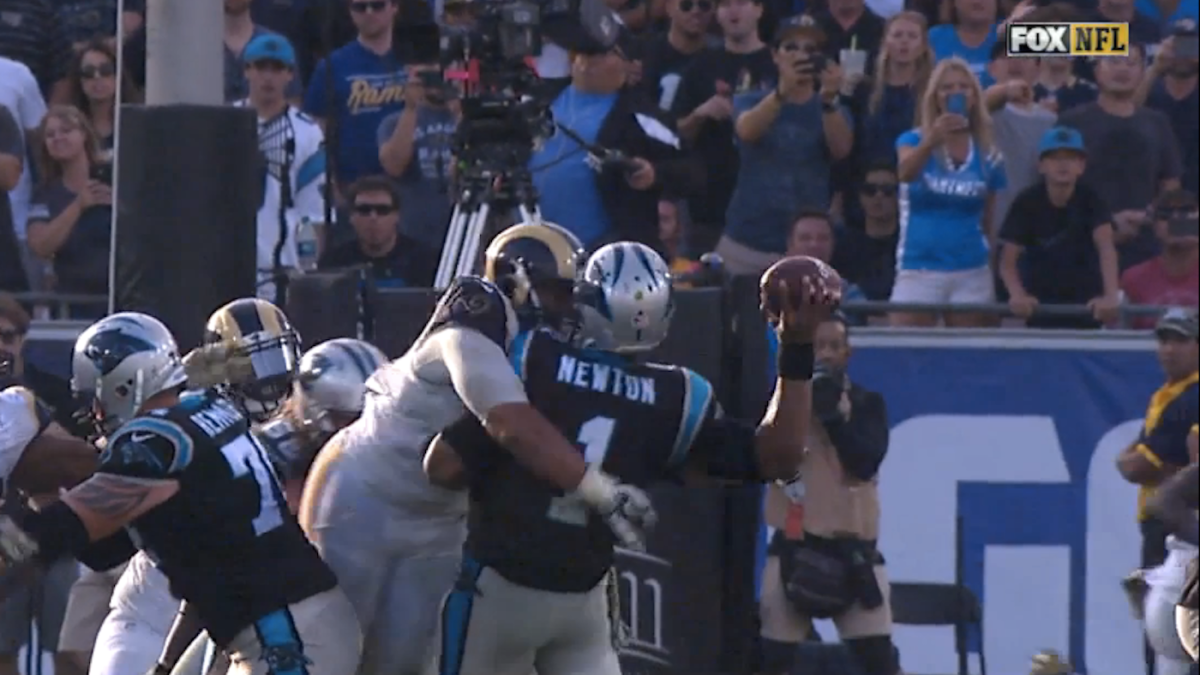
(969, 36)
(949, 171)
(355, 88)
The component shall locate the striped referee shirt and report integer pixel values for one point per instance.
(30, 32)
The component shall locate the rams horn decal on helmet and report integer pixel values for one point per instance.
(255, 328)
(537, 251)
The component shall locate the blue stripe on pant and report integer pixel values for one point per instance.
(282, 648)
(456, 617)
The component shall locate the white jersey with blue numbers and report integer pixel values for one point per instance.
(942, 210)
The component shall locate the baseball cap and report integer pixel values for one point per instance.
(801, 25)
(270, 47)
(1179, 321)
(1184, 27)
(1061, 138)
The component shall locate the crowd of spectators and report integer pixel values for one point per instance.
(896, 139)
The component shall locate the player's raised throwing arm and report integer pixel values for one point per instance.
(796, 303)
(784, 428)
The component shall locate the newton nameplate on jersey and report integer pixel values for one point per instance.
(605, 378)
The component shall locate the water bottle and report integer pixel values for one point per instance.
(306, 245)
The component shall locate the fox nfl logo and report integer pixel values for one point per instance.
(1068, 39)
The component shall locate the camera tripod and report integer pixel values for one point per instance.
(485, 196)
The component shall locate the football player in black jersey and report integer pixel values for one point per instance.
(393, 539)
(327, 396)
(183, 479)
(532, 593)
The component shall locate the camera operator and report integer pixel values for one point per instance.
(823, 561)
(608, 201)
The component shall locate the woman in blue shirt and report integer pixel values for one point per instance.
(969, 35)
(950, 172)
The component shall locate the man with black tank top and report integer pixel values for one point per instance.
(183, 479)
(704, 108)
(529, 546)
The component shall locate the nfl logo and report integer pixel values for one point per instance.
(1067, 39)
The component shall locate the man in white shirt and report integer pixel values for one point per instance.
(292, 145)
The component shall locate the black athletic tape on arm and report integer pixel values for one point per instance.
(59, 533)
(795, 361)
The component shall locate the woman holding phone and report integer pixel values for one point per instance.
(70, 218)
(950, 171)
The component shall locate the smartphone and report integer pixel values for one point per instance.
(101, 173)
(956, 104)
(432, 79)
(1187, 46)
(811, 63)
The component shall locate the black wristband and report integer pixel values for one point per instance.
(59, 533)
(795, 361)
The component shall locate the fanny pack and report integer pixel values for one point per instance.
(823, 577)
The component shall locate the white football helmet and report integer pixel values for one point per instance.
(626, 298)
(121, 361)
(333, 379)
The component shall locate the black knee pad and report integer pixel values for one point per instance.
(775, 656)
(875, 655)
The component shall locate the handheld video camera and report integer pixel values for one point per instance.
(828, 384)
(504, 110)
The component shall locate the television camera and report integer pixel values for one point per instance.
(488, 59)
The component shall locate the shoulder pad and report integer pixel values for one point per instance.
(148, 447)
(22, 419)
(699, 398)
(478, 304)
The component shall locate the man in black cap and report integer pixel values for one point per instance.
(1161, 450)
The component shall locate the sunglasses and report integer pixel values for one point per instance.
(689, 5)
(10, 337)
(374, 209)
(369, 6)
(793, 47)
(95, 72)
(873, 189)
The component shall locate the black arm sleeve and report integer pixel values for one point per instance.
(862, 442)
(109, 552)
(725, 449)
(473, 445)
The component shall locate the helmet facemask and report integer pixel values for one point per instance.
(264, 367)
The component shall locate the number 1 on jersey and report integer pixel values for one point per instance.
(595, 435)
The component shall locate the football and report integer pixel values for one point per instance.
(793, 272)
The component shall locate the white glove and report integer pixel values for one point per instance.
(793, 488)
(16, 546)
(626, 509)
